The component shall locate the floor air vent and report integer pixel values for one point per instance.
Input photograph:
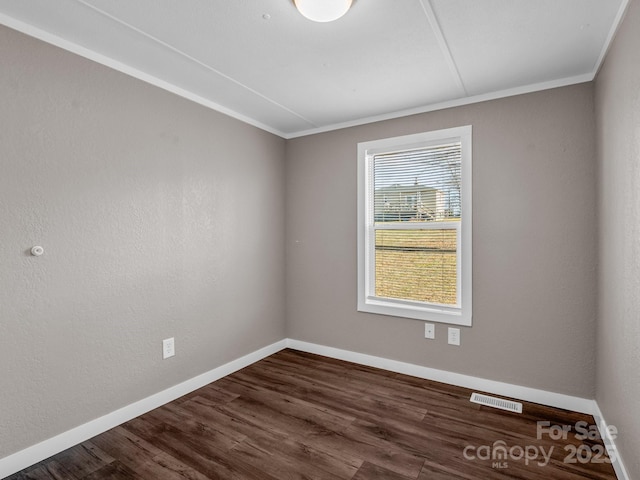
(496, 402)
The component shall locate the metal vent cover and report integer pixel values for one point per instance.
(495, 402)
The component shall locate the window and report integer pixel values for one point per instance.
(414, 226)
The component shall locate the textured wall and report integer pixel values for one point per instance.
(534, 244)
(618, 138)
(158, 217)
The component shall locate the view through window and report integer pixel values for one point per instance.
(416, 218)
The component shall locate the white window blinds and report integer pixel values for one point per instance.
(416, 218)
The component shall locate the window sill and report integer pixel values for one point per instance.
(383, 306)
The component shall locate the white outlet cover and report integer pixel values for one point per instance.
(168, 348)
(429, 330)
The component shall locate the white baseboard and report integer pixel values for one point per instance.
(558, 400)
(551, 399)
(610, 445)
(36, 453)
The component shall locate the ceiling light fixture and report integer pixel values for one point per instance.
(323, 10)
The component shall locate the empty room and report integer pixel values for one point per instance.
(319, 239)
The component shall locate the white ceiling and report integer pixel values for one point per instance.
(264, 63)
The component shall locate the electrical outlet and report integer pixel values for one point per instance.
(429, 330)
(454, 336)
(168, 348)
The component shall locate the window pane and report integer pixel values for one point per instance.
(418, 185)
(417, 265)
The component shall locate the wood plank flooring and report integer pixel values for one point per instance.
(295, 415)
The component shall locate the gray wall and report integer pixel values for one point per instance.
(162, 218)
(534, 244)
(158, 217)
(618, 139)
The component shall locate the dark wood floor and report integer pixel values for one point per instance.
(300, 416)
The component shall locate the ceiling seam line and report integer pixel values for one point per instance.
(195, 60)
(429, 12)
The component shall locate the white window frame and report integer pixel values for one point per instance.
(460, 314)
